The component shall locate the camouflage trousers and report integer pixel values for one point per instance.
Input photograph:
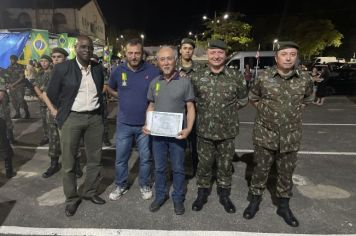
(220, 152)
(285, 165)
(18, 99)
(105, 117)
(5, 113)
(54, 146)
(5, 148)
(43, 113)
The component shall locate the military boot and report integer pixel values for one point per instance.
(224, 200)
(253, 207)
(10, 136)
(54, 168)
(27, 113)
(202, 198)
(17, 115)
(285, 212)
(8, 165)
(77, 170)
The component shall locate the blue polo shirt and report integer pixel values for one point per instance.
(132, 87)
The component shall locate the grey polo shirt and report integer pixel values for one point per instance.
(171, 96)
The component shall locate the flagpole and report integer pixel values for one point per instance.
(258, 60)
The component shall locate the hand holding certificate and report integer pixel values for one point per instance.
(167, 124)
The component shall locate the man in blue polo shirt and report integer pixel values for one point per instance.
(130, 82)
(170, 93)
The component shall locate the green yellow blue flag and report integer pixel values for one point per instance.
(63, 40)
(39, 43)
(107, 53)
(71, 47)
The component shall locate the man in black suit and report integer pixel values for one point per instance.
(75, 90)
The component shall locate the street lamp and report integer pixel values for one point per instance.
(226, 16)
(142, 37)
(274, 43)
(121, 36)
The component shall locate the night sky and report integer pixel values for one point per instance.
(167, 21)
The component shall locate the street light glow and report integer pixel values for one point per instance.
(121, 36)
(190, 33)
(226, 16)
(142, 36)
(205, 17)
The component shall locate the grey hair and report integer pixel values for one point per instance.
(168, 47)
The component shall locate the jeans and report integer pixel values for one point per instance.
(161, 147)
(124, 135)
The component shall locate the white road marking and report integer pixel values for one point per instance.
(307, 124)
(236, 150)
(134, 232)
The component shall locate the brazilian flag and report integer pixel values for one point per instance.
(63, 40)
(40, 43)
(71, 47)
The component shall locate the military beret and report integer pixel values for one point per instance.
(48, 58)
(188, 41)
(217, 44)
(13, 57)
(285, 44)
(60, 50)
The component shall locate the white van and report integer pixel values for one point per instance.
(325, 60)
(240, 59)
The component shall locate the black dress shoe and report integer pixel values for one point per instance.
(95, 199)
(179, 208)
(156, 204)
(71, 208)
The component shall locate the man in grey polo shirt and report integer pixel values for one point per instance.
(170, 93)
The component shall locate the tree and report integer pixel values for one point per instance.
(314, 36)
(233, 31)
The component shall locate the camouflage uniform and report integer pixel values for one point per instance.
(278, 126)
(41, 82)
(14, 73)
(5, 108)
(54, 145)
(219, 96)
(105, 109)
(191, 152)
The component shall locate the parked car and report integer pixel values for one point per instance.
(342, 81)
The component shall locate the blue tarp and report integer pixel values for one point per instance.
(11, 44)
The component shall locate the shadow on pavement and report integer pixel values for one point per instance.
(5, 209)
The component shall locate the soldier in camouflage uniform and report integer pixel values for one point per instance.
(220, 93)
(16, 81)
(187, 66)
(40, 85)
(279, 94)
(5, 148)
(5, 108)
(106, 139)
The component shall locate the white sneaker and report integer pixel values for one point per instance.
(117, 193)
(146, 192)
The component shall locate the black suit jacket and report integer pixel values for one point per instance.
(64, 85)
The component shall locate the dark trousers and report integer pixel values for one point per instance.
(285, 164)
(90, 126)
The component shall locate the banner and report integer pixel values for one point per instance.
(11, 44)
(107, 53)
(63, 40)
(71, 47)
(40, 43)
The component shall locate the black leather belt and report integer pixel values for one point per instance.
(93, 112)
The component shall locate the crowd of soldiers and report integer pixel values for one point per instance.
(217, 93)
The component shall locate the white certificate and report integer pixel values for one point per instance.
(166, 124)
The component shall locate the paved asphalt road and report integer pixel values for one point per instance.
(324, 195)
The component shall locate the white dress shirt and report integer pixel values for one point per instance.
(87, 98)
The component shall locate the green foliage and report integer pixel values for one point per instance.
(314, 36)
(233, 31)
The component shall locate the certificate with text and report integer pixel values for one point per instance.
(167, 124)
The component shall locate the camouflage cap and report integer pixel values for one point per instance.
(285, 44)
(188, 41)
(13, 57)
(217, 44)
(60, 50)
(48, 58)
